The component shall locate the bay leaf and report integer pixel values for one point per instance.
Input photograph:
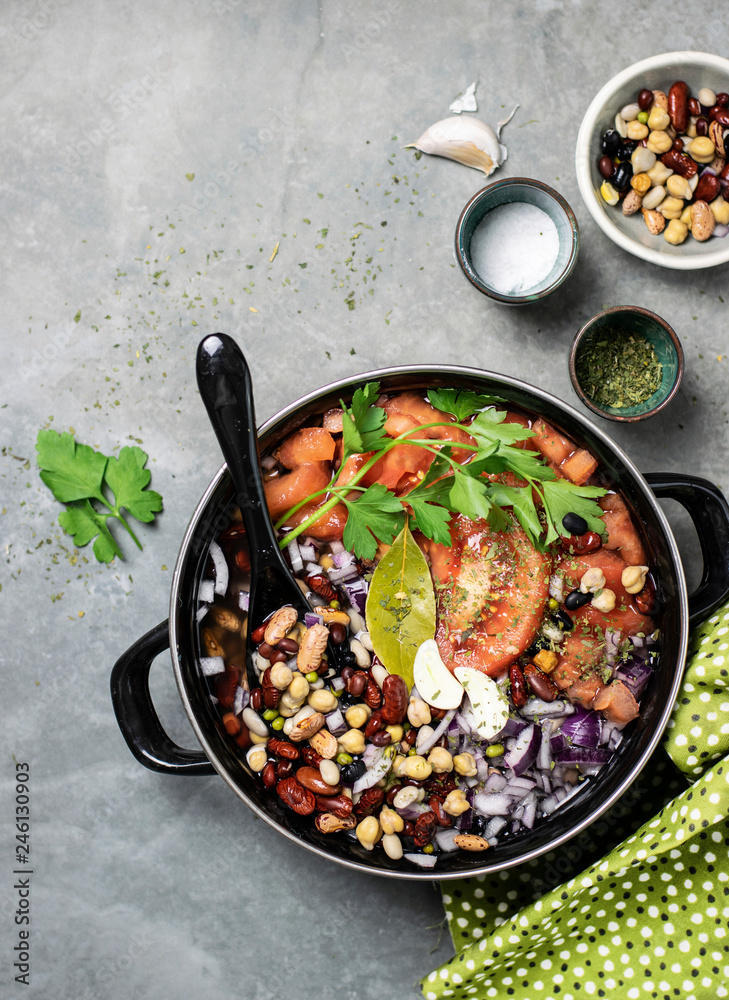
(401, 606)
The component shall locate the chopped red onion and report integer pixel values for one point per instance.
(374, 773)
(342, 559)
(311, 619)
(201, 612)
(424, 860)
(241, 699)
(338, 576)
(244, 600)
(494, 827)
(720, 230)
(336, 546)
(529, 814)
(413, 810)
(337, 684)
(535, 708)
(336, 723)
(583, 755)
(312, 568)
(221, 568)
(582, 729)
(211, 665)
(445, 839)
(308, 553)
(206, 592)
(556, 587)
(294, 554)
(613, 638)
(635, 674)
(524, 752)
(356, 591)
(492, 804)
(544, 757)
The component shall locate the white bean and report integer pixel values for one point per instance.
(254, 722)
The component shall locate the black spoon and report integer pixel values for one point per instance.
(225, 385)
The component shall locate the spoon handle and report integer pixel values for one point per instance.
(225, 385)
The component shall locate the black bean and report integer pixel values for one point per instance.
(611, 142)
(563, 620)
(576, 599)
(622, 175)
(350, 772)
(575, 524)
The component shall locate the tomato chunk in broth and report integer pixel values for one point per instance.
(491, 593)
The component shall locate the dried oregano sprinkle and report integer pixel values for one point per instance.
(618, 368)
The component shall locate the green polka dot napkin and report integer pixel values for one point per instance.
(647, 919)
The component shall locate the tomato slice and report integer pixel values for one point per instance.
(492, 588)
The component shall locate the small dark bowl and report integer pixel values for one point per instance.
(663, 340)
(521, 190)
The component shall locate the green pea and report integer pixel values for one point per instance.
(269, 714)
(278, 722)
(553, 604)
(343, 758)
(643, 117)
(312, 676)
(495, 750)
(428, 849)
(412, 752)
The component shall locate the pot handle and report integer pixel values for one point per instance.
(707, 507)
(135, 713)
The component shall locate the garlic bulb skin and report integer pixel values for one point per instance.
(466, 140)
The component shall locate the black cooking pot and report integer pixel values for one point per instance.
(677, 612)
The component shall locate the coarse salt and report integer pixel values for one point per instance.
(514, 248)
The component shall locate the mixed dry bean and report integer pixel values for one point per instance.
(666, 157)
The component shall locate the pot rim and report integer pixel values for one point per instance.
(350, 383)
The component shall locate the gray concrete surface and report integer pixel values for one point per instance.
(154, 156)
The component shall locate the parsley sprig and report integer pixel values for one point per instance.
(450, 486)
(95, 489)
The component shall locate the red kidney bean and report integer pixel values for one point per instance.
(258, 633)
(518, 686)
(722, 99)
(283, 749)
(410, 737)
(381, 739)
(437, 713)
(310, 756)
(374, 724)
(645, 601)
(645, 99)
(256, 699)
(694, 106)
(278, 656)
(243, 739)
(681, 163)
(589, 542)
(288, 646)
(268, 774)
(340, 805)
(284, 768)
(370, 802)
(542, 685)
(702, 126)
(226, 685)
(372, 696)
(357, 683)
(265, 650)
(677, 145)
(425, 826)
(395, 695)
(678, 110)
(271, 694)
(441, 817)
(720, 115)
(708, 187)
(391, 793)
(243, 560)
(338, 633)
(295, 796)
(231, 723)
(310, 777)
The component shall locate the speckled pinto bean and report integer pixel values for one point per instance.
(395, 694)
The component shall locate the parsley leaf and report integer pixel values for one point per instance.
(431, 519)
(560, 497)
(376, 514)
(362, 422)
(462, 403)
(84, 479)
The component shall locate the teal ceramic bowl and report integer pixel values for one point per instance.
(643, 324)
(517, 241)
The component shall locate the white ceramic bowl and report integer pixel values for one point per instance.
(697, 69)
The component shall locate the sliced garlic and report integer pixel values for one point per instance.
(489, 704)
(435, 683)
(466, 140)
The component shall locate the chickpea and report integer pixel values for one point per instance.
(675, 232)
(368, 832)
(356, 716)
(456, 802)
(633, 578)
(671, 208)
(396, 733)
(391, 821)
(659, 142)
(720, 210)
(440, 760)
(257, 758)
(605, 600)
(281, 676)
(465, 765)
(701, 149)
(352, 741)
(418, 713)
(592, 581)
(323, 701)
(658, 119)
(415, 767)
(298, 689)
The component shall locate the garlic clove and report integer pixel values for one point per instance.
(435, 683)
(466, 140)
(489, 704)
